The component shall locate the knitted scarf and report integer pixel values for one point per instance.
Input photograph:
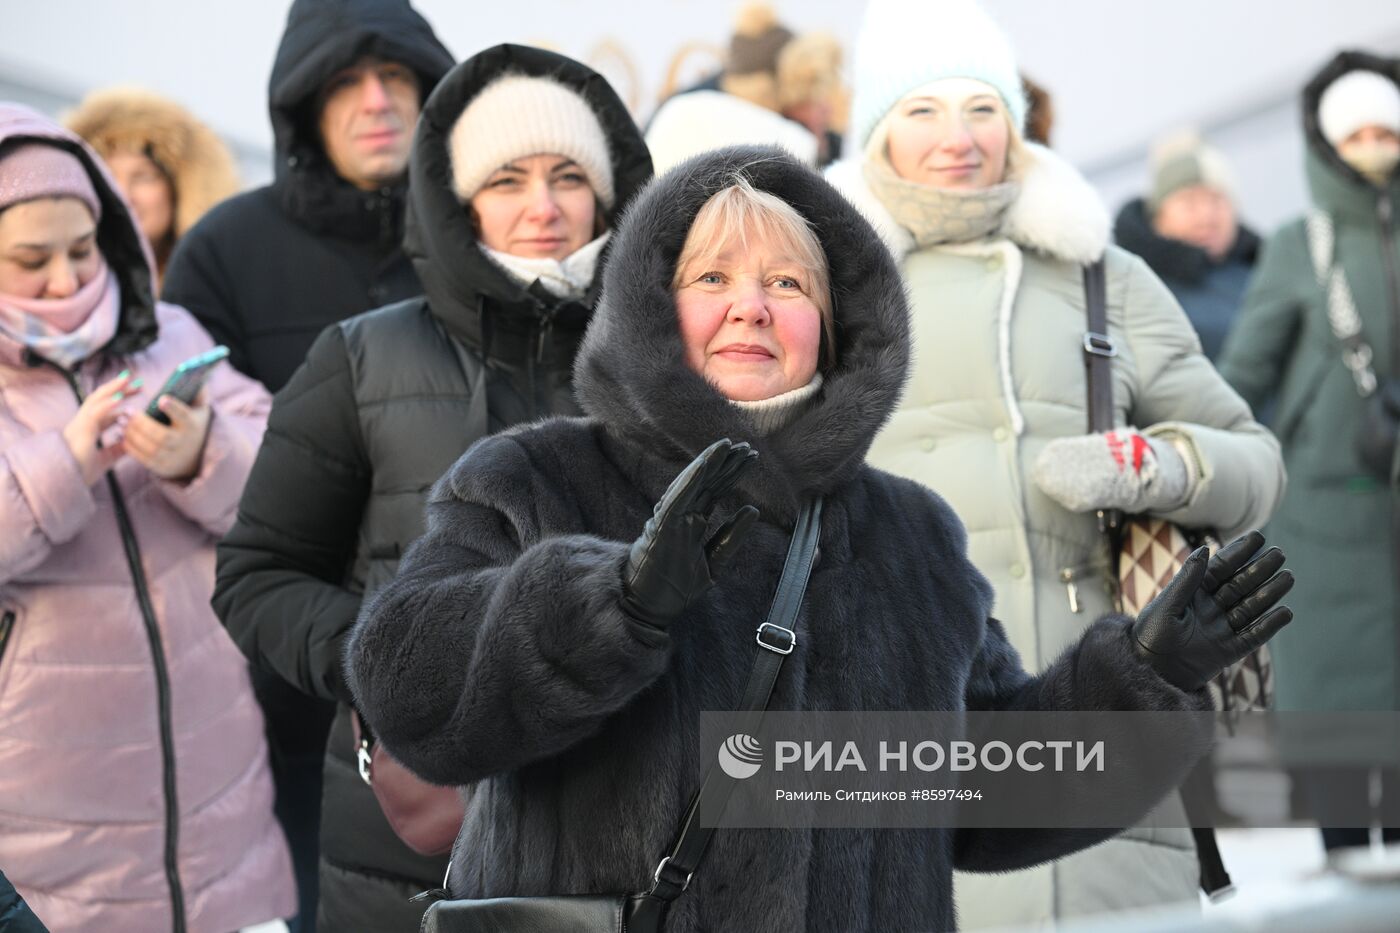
(938, 215)
(68, 330)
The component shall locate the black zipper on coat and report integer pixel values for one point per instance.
(1386, 212)
(7, 624)
(544, 331)
(383, 204)
(167, 737)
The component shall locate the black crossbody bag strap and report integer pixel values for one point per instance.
(776, 639)
(1099, 351)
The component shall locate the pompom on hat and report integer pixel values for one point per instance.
(906, 44)
(1356, 99)
(517, 116)
(33, 170)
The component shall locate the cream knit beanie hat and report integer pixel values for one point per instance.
(517, 116)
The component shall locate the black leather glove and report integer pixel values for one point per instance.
(673, 562)
(1214, 611)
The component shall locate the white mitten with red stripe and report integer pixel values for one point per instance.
(1118, 469)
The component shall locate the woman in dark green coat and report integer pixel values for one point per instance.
(1345, 652)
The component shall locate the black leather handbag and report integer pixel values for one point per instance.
(645, 912)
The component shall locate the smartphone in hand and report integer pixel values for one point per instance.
(186, 381)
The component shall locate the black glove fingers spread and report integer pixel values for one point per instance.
(1230, 608)
(1253, 606)
(1230, 558)
(1258, 572)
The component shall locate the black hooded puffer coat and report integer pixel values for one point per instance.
(268, 270)
(385, 403)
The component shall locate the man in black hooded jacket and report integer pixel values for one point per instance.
(384, 404)
(268, 270)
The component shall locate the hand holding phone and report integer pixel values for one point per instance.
(170, 442)
(186, 381)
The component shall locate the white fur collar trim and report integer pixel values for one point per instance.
(1057, 212)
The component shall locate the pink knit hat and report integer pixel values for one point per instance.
(39, 170)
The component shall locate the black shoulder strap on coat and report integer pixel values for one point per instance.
(776, 639)
(1099, 351)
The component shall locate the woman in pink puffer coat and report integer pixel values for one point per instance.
(134, 790)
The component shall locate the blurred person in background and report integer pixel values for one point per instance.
(268, 270)
(776, 88)
(1339, 516)
(1188, 231)
(134, 785)
(521, 162)
(992, 233)
(170, 166)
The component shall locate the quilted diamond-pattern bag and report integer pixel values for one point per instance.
(1147, 551)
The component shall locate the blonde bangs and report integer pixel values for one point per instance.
(741, 211)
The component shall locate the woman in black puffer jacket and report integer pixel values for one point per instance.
(386, 401)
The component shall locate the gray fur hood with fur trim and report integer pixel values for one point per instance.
(500, 658)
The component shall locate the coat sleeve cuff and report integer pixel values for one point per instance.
(48, 475)
(1231, 500)
(1108, 674)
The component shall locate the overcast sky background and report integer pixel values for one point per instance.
(1121, 72)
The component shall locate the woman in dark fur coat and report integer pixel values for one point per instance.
(552, 640)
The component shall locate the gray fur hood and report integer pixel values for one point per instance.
(631, 374)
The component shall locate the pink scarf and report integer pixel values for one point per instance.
(68, 330)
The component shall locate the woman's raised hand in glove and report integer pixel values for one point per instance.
(673, 561)
(1214, 611)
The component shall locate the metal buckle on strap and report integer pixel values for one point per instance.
(1100, 345)
(656, 875)
(784, 648)
(363, 759)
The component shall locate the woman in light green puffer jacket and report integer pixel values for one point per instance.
(993, 233)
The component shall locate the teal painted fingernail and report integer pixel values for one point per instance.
(136, 384)
(119, 396)
(123, 374)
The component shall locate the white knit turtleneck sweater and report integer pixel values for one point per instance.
(772, 414)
